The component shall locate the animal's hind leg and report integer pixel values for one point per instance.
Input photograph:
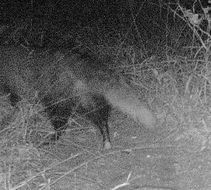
(59, 115)
(59, 127)
(100, 119)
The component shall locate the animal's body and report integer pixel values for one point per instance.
(68, 83)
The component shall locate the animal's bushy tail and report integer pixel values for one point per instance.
(125, 99)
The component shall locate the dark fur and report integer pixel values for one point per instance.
(96, 111)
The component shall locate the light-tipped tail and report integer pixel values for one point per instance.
(125, 99)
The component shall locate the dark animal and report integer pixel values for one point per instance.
(72, 82)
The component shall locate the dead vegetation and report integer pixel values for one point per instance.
(172, 75)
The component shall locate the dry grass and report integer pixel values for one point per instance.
(174, 82)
